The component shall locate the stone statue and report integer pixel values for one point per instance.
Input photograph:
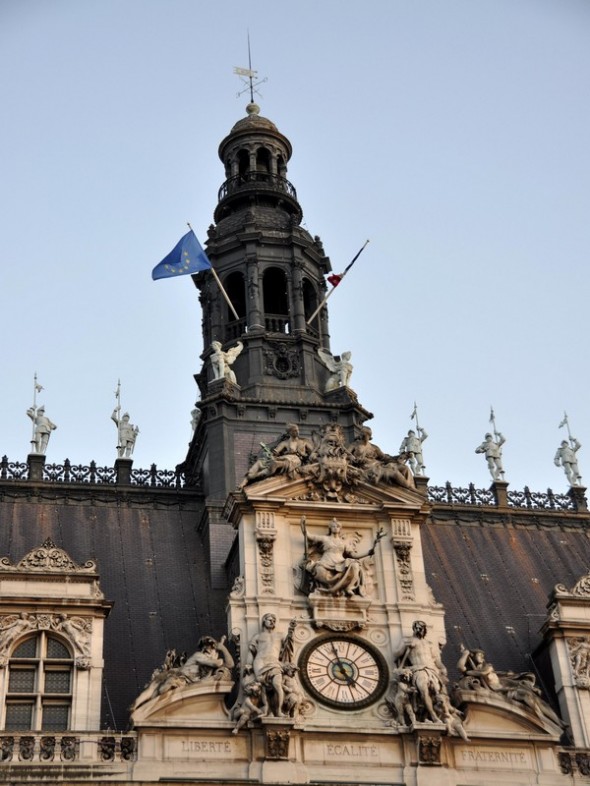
(412, 446)
(267, 655)
(479, 675)
(566, 458)
(340, 369)
(335, 566)
(195, 417)
(402, 704)
(376, 466)
(285, 458)
(450, 716)
(292, 690)
(253, 706)
(211, 662)
(330, 466)
(492, 448)
(221, 361)
(127, 433)
(42, 428)
(429, 675)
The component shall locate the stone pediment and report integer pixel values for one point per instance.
(47, 558)
(489, 715)
(200, 705)
(281, 489)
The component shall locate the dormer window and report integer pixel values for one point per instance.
(39, 692)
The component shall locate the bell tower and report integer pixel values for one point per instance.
(273, 273)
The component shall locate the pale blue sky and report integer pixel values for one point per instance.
(452, 133)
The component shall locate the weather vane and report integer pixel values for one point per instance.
(249, 77)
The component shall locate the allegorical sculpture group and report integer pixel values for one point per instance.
(419, 685)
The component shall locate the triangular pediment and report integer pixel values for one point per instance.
(281, 490)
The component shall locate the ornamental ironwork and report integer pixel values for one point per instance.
(531, 500)
(92, 474)
(450, 495)
(259, 181)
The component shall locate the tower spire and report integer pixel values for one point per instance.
(249, 77)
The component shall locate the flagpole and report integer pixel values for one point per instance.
(35, 385)
(220, 285)
(325, 300)
(416, 417)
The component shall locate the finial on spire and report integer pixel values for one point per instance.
(249, 77)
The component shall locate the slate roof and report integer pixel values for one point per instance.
(494, 575)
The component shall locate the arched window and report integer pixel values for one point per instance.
(40, 680)
(276, 301)
(236, 292)
(263, 160)
(243, 162)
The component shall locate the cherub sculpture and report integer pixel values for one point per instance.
(340, 369)
(221, 361)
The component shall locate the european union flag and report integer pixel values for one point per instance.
(186, 257)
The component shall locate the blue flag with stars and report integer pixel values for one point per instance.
(186, 257)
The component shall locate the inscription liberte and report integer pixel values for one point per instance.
(353, 750)
(206, 746)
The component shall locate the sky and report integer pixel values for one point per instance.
(453, 134)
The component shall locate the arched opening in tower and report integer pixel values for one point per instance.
(276, 301)
(262, 163)
(310, 303)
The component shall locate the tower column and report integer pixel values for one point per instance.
(253, 283)
(297, 297)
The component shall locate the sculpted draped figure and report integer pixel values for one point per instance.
(479, 675)
(327, 462)
(286, 457)
(375, 465)
(212, 661)
(335, 566)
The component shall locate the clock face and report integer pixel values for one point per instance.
(343, 672)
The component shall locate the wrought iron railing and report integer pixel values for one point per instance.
(153, 477)
(449, 495)
(532, 500)
(259, 180)
(92, 474)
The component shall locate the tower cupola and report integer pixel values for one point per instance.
(255, 156)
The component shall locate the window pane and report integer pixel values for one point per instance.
(57, 681)
(28, 649)
(55, 649)
(21, 681)
(55, 717)
(18, 716)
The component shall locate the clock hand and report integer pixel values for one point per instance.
(350, 681)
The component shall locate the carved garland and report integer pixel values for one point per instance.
(265, 538)
(579, 653)
(404, 565)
